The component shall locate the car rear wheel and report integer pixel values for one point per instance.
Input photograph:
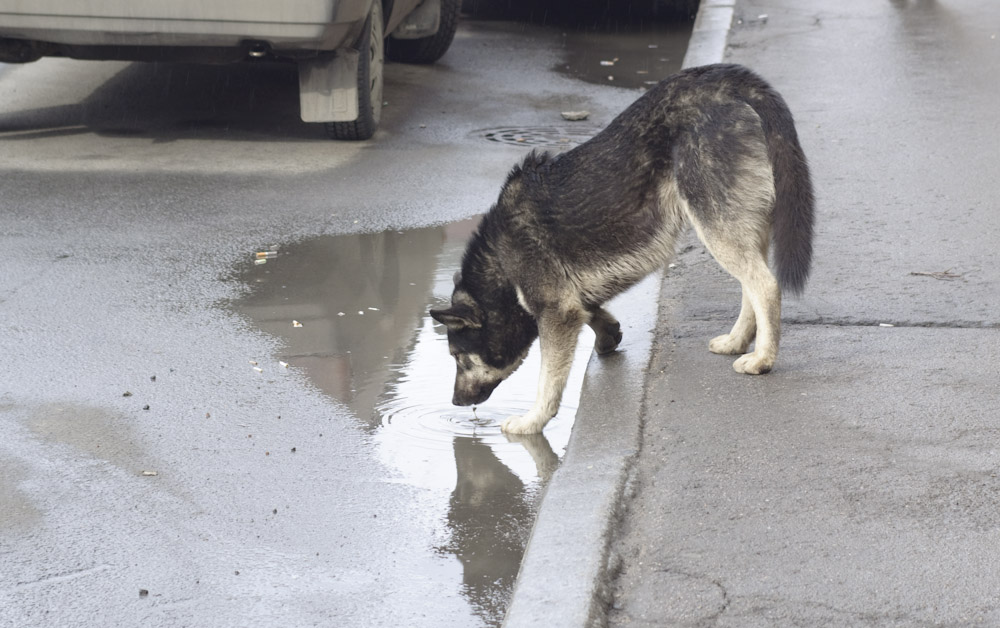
(370, 72)
(428, 49)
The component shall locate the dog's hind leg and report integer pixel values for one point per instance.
(765, 297)
(608, 330)
(761, 304)
(738, 340)
(558, 333)
(726, 183)
(740, 244)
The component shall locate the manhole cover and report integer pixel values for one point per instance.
(559, 136)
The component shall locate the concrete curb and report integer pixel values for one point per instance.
(710, 33)
(564, 575)
(562, 581)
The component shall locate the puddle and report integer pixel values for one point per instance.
(92, 431)
(367, 341)
(19, 512)
(630, 56)
(89, 432)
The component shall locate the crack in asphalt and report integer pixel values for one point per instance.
(63, 577)
(861, 322)
(849, 322)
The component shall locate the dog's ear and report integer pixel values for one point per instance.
(458, 317)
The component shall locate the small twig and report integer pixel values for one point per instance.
(942, 274)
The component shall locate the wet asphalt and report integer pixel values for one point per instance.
(193, 437)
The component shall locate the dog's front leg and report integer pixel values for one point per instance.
(558, 333)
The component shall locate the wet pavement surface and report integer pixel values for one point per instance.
(160, 464)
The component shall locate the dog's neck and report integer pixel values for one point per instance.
(484, 279)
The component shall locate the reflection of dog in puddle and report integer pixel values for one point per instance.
(714, 147)
(541, 453)
(490, 514)
(481, 475)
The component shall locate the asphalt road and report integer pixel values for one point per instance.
(133, 198)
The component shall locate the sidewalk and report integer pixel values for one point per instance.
(859, 483)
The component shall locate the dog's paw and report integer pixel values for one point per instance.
(727, 345)
(753, 364)
(608, 339)
(526, 424)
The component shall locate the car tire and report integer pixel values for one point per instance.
(428, 49)
(370, 78)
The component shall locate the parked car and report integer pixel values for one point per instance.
(338, 45)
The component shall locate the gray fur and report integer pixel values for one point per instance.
(713, 147)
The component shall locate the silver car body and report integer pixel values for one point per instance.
(318, 34)
(296, 25)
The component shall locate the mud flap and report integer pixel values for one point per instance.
(424, 21)
(328, 87)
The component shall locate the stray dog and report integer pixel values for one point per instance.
(714, 147)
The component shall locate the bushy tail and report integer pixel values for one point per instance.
(792, 230)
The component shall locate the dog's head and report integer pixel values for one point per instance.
(487, 342)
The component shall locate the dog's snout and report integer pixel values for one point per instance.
(473, 396)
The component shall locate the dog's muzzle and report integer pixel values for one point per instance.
(473, 396)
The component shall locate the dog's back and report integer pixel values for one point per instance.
(698, 138)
